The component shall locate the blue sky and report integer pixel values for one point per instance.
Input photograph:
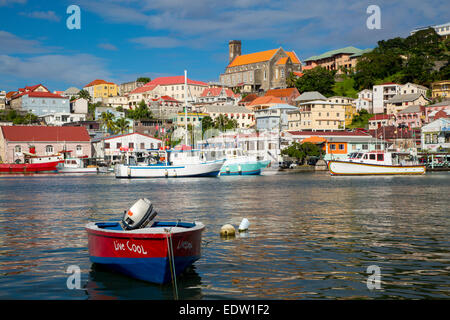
(120, 40)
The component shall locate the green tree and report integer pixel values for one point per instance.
(207, 123)
(122, 125)
(317, 79)
(291, 80)
(302, 151)
(143, 79)
(140, 112)
(85, 95)
(107, 121)
(223, 123)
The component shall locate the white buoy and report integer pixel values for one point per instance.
(244, 225)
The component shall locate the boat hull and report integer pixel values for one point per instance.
(243, 168)
(144, 254)
(77, 170)
(28, 167)
(353, 168)
(211, 169)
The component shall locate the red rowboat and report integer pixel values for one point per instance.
(33, 163)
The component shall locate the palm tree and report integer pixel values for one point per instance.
(122, 125)
(85, 95)
(107, 121)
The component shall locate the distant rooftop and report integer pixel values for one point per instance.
(349, 50)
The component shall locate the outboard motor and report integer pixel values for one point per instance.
(139, 215)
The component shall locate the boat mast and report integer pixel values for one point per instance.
(185, 108)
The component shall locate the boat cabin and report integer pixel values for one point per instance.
(381, 157)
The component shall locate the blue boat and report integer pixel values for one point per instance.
(237, 163)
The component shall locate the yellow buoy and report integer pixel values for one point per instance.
(227, 231)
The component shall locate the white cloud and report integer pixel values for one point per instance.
(12, 44)
(44, 15)
(78, 69)
(10, 2)
(158, 42)
(107, 46)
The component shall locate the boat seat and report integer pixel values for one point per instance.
(109, 225)
(172, 224)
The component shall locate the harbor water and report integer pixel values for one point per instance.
(311, 236)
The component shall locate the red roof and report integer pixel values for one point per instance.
(174, 80)
(380, 117)
(44, 133)
(38, 94)
(214, 92)
(287, 92)
(96, 82)
(144, 88)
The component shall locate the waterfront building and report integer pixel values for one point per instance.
(441, 29)
(47, 140)
(381, 94)
(110, 148)
(262, 145)
(322, 115)
(440, 89)
(287, 95)
(274, 117)
(243, 116)
(339, 144)
(100, 89)
(60, 118)
(380, 120)
(364, 101)
(258, 71)
(401, 101)
(436, 135)
(398, 139)
(339, 59)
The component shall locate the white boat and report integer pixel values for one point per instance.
(75, 165)
(375, 163)
(169, 164)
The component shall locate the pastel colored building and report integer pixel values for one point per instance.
(274, 117)
(322, 115)
(411, 117)
(440, 89)
(193, 118)
(263, 103)
(380, 120)
(100, 89)
(59, 119)
(223, 96)
(343, 58)
(338, 144)
(401, 101)
(47, 140)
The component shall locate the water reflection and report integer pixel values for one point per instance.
(310, 236)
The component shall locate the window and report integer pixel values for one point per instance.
(107, 145)
(17, 149)
(380, 157)
(131, 145)
(49, 149)
(341, 146)
(332, 146)
(365, 146)
(79, 150)
(142, 145)
(371, 156)
(118, 145)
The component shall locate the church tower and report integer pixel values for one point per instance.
(235, 49)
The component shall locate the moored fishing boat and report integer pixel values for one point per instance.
(237, 163)
(169, 164)
(155, 253)
(374, 163)
(76, 165)
(33, 164)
